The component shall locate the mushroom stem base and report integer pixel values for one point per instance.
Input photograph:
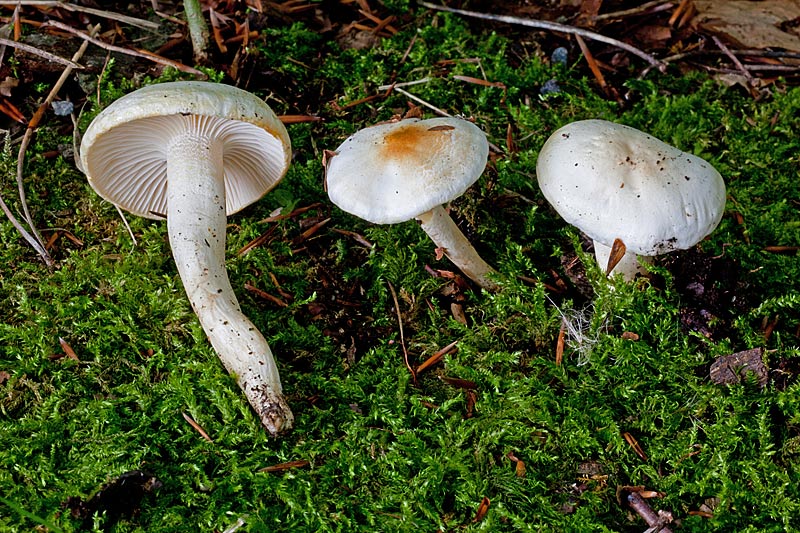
(446, 235)
(629, 266)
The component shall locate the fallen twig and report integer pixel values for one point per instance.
(198, 30)
(637, 448)
(40, 249)
(657, 521)
(265, 295)
(34, 238)
(421, 101)
(593, 66)
(196, 427)
(552, 26)
(144, 54)
(133, 21)
(435, 358)
(41, 53)
(746, 73)
(360, 239)
(560, 342)
(282, 467)
(655, 5)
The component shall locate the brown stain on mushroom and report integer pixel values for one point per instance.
(408, 140)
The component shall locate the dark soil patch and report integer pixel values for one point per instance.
(712, 291)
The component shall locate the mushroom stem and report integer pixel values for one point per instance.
(196, 220)
(446, 235)
(629, 265)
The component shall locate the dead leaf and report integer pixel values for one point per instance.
(733, 368)
(637, 448)
(560, 343)
(616, 254)
(7, 85)
(750, 24)
(68, 349)
(472, 399)
(519, 469)
(460, 383)
(282, 467)
(197, 427)
(457, 310)
(435, 358)
(483, 508)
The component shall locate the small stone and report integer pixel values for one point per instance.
(550, 87)
(559, 56)
(62, 108)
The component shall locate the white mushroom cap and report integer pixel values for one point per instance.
(123, 150)
(613, 181)
(393, 172)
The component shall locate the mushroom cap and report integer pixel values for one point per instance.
(124, 150)
(613, 181)
(395, 171)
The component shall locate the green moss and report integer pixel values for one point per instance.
(386, 452)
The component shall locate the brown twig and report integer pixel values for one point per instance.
(143, 54)
(678, 13)
(34, 238)
(196, 427)
(655, 5)
(657, 521)
(560, 342)
(593, 66)
(435, 358)
(41, 53)
(360, 239)
(552, 26)
(637, 448)
(133, 21)
(265, 295)
(746, 73)
(282, 467)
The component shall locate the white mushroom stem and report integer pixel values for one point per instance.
(629, 266)
(446, 235)
(196, 222)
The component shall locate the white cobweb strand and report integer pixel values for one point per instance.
(446, 235)
(196, 220)
(579, 333)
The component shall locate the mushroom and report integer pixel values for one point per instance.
(614, 182)
(194, 152)
(403, 170)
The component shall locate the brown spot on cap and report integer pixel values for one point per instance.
(412, 141)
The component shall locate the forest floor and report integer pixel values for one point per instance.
(564, 401)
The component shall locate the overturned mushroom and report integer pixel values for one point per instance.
(398, 171)
(614, 182)
(194, 152)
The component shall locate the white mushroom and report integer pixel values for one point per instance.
(402, 170)
(194, 152)
(615, 182)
